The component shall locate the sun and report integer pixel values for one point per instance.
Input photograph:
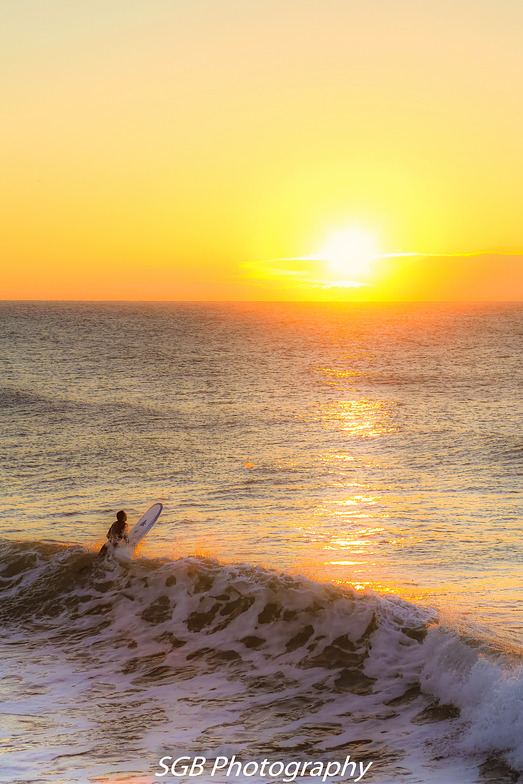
(349, 253)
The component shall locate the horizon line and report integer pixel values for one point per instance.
(277, 301)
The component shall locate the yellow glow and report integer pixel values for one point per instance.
(363, 417)
(349, 253)
(173, 159)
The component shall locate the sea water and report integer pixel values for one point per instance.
(337, 570)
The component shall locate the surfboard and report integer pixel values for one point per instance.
(144, 524)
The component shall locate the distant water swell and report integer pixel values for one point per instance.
(156, 656)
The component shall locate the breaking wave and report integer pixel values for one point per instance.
(241, 659)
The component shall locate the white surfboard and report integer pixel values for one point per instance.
(144, 524)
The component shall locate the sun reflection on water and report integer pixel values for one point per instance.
(352, 526)
(362, 417)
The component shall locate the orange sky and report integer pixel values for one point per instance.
(155, 149)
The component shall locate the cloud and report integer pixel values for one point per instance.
(305, 272)
(464, 276)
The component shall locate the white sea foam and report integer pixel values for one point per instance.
(111, 668)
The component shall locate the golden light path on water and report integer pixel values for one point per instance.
(351, 529)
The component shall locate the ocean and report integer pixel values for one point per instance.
(336, 577)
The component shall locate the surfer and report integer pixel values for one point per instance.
(117, 532)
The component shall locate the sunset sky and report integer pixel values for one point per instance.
(262, 149)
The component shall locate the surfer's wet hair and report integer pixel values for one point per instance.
(121, 516)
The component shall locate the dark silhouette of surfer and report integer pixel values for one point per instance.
(117, 532)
